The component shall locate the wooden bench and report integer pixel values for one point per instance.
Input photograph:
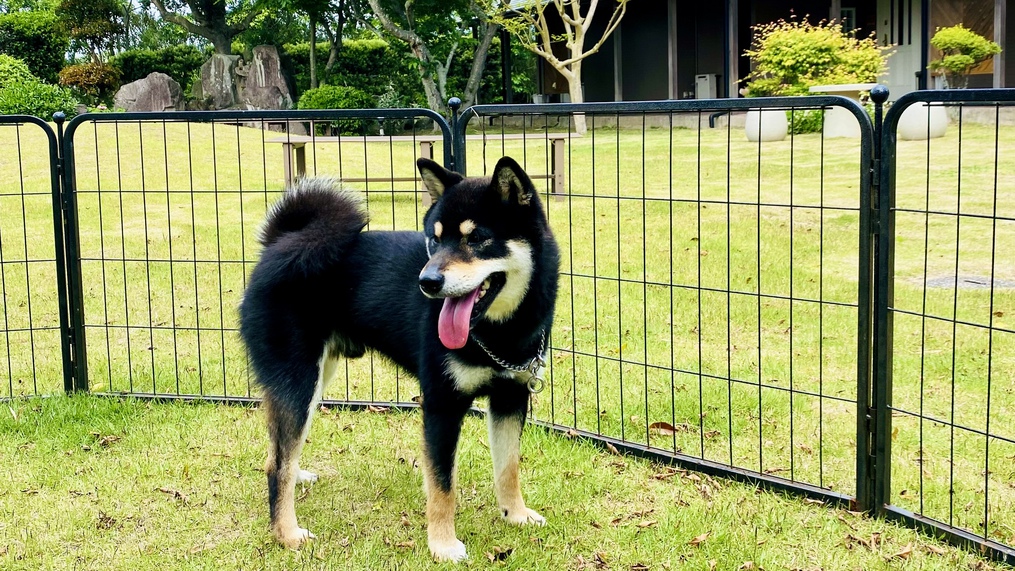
(294, 154)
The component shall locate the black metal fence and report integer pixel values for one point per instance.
(739, 307)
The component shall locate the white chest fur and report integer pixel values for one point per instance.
(469, 378)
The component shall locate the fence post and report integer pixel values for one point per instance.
(457, 142)
(866, 419)
(71, 262)
(884, 277)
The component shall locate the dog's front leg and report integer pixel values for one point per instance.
(442, 424)
(508, 405)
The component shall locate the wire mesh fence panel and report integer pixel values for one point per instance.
(169, 208)
(711, 286)
(952, 313)
(31, 358)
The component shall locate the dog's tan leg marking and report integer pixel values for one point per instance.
(283, 464)
(505, 440)
(440, 518)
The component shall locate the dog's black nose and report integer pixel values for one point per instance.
(431, 282)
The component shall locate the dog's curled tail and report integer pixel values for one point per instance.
(312, 225)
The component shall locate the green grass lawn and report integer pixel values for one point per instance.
(89, 482)
(698, 289)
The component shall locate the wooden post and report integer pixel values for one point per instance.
(425, 152)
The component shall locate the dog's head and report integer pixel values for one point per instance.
(480, 236)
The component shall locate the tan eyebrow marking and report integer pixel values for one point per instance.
(466, 227)
(437, 229)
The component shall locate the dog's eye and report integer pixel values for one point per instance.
(478, 236)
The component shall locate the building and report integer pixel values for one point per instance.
(681, 49)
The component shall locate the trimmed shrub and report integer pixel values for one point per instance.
(789, 57)
(37, 39)
(181, 63)
(96, 81)
(13, 70)
(339, 97)
(36, 98)
(961, 50)
(364, 64)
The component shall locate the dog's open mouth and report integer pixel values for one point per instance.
(458, 313)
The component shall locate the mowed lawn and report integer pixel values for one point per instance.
(89, 482)
(708, 305)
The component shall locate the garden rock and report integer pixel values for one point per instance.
(157, 92)
(263, 85)
(219, 85)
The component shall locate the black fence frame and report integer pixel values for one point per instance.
(876, 242)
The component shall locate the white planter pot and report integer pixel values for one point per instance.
(766, 125)
(921, 121)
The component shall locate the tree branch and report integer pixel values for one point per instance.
(178, 19)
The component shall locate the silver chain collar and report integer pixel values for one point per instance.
(534, 367)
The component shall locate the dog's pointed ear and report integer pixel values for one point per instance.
(512, 183)
(436, 178)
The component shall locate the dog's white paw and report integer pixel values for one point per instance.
(524, 516)
(305, 477)
(453, 551)
(295, 538)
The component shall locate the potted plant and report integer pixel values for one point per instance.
(788, 57)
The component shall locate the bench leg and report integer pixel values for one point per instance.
(557, 166)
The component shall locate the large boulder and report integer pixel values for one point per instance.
(264, 86)
(219, 86)
(157, 92)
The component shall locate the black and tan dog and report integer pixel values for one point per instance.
(466, 306)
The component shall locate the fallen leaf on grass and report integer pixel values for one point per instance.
(935, 549)
(699, 540)
(813, 502)
(406, 544)
(14, 413)
(176, 494)
(667, 429)
(499, 553)
(105, 521)
(998, 314)
(373, 408)
(571, 433)
(647, 523)
(711, 564)
(30, 492)
(747, 566)
(904, 554)
(639, 567)
(612, 449)
(669, 473)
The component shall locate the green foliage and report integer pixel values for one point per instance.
(96, 23)
(791, 56)
(178, 62)
(13, 70)
(364, 64)
(96, 81)
(805, 121)
(36, 98)
(339, 97)
(961, 50)
(37, 39)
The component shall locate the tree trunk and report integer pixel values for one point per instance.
(222, 42)
(574, 89)
(313, 52)
(478, 65)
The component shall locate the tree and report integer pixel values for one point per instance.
(218, 21)
(961, 50)
(527, 21)
(94, 23)
(434, 29)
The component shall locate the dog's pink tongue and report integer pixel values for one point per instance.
(453, 324)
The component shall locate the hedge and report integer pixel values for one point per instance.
(181, 63)
(36, 39)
